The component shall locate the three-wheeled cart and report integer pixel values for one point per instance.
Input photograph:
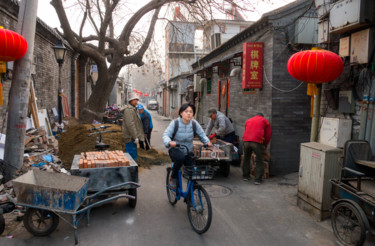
(353, 194)
(49, 195)
(104, 177)
(222, 162)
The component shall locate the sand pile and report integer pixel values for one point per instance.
(76, 140)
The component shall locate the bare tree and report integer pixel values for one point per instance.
(104, 46)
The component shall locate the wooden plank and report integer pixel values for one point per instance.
(33, 106)
(366, 163)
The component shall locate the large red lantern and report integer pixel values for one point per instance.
(12, 45)
(315, 66)
(146, 94)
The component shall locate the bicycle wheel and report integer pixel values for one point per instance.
(200, 217)
(348, 224)
(171, 194)
(40, 222)
(133, 202)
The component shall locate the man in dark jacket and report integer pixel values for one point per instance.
(147, 126)
(255, 139)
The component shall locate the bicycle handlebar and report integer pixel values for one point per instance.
(94, 133)
(98, 128)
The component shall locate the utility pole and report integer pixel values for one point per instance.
(19, 92)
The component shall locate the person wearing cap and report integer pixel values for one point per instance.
(147, 126)
(132, 128)
(255, 139)
(223, 126)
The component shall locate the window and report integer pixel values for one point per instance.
(208, 86)
(215, 40)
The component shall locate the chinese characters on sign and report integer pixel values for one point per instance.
(252, 67)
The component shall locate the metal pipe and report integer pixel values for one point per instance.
(316, 114)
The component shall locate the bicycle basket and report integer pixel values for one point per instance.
(199, 172)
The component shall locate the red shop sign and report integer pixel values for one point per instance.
(252, 65)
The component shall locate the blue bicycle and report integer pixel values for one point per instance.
(196, 197)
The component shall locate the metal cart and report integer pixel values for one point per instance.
(48, 195)
(104, 177)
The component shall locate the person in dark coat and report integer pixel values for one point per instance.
(147, 127)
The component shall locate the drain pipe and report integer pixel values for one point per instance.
(371, 107)
(316, 114)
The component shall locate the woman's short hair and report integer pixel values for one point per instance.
(185, 106)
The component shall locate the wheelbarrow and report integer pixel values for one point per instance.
(48, 195)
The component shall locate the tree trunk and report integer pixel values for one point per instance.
(94, 107)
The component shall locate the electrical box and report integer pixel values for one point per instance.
(318, 164)
(306, 30)
(335, 132)
(346, 102)
(361, 46)
(346, 15)
(344, 48)
(323, 32)
(197, 84)
(322, 7)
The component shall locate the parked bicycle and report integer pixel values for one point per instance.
(198, 202)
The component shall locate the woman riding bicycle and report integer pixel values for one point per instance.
(187, 127)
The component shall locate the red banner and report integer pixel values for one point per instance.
(252, 65)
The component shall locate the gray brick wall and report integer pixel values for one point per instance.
(288, 112)
(46, 78)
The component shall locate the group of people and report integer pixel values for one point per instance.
(255, 139)
(137, 127)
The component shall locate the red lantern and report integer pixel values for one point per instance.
(134, 90)
(146, 94)
(315, 66)
(12, 45)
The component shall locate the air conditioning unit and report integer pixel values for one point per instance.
(350, 15)
(197, 84)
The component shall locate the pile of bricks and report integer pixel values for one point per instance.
(211, 152)
(106, 158)
(266, 174)
(36, 140)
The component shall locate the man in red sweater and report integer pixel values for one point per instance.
(255, 139)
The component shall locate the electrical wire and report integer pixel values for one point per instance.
(285, 91)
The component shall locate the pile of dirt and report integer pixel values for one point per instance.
(151, 157)
(76, 140)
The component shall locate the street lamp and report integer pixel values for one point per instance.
(59, 51)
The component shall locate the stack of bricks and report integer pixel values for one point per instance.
(103, 159)
(266, 174)
(206, 152)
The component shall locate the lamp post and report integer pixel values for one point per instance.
(59, 51)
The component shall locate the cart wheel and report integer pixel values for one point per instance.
(2, 224)
(40, 222)
(225, 169)
(133, 202)
(348, 224)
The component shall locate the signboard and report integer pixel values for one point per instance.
(252, 67)
(344, 47)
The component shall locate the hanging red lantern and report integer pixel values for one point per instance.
(134, 90)
(315, 66)
(146, 94)
(12, 45)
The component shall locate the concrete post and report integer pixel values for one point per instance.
(316, 115)
(19, 92)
